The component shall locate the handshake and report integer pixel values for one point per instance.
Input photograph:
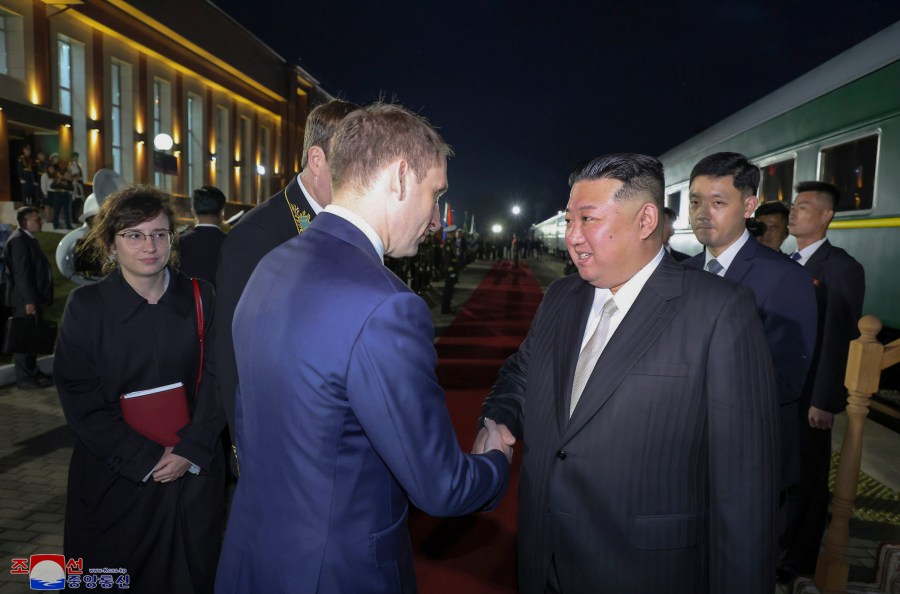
(494, 437)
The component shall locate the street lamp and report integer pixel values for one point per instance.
(516, 210)
(496, 228)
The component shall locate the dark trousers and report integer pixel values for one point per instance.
(447, 297)
(809, 507)
(25, 364)
(552, 586)
(62, 202)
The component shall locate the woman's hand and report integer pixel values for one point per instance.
(170, 467)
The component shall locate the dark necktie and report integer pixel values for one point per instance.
(796, 256)
(714, 267)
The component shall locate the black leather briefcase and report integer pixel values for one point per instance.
(29, 336)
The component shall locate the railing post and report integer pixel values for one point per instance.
(861, 380)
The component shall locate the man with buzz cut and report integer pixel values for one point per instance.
(841, 283)
(646, 394)
(723, 190)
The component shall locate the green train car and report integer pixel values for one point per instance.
(839, 123)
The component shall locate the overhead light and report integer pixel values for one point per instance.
(163, 142)
(260, 169)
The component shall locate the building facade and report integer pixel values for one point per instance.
(104, 78)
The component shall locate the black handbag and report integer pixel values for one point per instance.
(29, 336)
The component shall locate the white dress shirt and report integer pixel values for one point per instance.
(727, 257)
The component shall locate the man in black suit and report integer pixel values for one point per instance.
(283, 216)
(646, 396)
(29, 286)
(668, 232)
(841, 285)
(722, 197)
(198, 248)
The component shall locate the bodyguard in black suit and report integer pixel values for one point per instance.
(650, 460)
(722, 196)
(199, 247)
(841, 285)
(29, 286)
(283, 216)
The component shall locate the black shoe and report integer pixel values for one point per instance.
(784, 576)
(29, 384)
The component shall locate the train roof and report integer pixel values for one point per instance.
(878, 51)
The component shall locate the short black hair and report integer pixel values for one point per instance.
(208, 200)
(639, 174)
(745, 175)
(673, 216)
(776, 207)
(22, 214)
(829, 190)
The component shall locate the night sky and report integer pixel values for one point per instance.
(525, 90)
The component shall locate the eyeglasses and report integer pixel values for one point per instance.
(136, 239)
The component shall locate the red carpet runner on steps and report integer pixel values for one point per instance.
(477, 554)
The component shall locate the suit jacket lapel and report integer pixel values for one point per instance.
(743, 261)
(643, 324)
(573, 320)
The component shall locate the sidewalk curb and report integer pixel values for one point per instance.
(8, 371)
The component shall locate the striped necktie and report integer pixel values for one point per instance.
(591, 352)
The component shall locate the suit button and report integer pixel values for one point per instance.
(561, 455)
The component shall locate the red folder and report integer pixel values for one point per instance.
(157, 413)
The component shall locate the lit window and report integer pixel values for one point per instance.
(851, 167)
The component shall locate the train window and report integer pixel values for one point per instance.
(776, 182)
(673, 201)
(851, 167)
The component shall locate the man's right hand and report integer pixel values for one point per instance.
(30, 309)
(494, 437)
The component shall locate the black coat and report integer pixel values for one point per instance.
(112, 342)
(199, 250)
(841, 283)
(668, 465)
(30, 279)
(263, 229)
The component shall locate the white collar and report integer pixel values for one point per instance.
(361, 224)
(727, 256)
(317, 208)
(807, 252)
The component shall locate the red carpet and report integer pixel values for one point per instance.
(477, 554)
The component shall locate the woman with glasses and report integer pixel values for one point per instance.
(151, 511)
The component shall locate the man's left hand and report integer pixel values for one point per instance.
(820, 419)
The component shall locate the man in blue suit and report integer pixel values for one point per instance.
(339, 414)
(722, 197)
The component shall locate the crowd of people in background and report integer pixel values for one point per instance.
(52, 185)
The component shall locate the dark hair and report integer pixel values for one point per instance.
(127, 208)
(320, 125)
(775, 207)
(673, 216)
(824, 189)
(23, 213)
(208, 200)
(371, 138)
(639, 174)
(744, 174)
